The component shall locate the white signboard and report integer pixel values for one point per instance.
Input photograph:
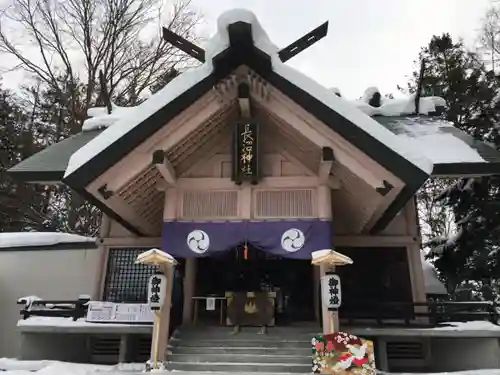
(331, 293)
(110, 312)
(210, 304)
(157, 286)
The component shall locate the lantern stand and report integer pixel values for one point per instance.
(327, 260)
(159, 294)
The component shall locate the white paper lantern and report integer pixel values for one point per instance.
(157, 286)
(331, 293)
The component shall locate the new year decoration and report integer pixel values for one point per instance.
(293, 240)
(198, 241)
(343, 353)
(331, 293)
(157, 286)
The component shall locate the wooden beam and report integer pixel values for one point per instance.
(374, 241)
(244, 100)
(125, 242)
(267, 182)
(381, 208)
(138, 160)
(165, 168)
(326, 164)
(279, 112)
(184, 45)
(118, 205)
(304, 42)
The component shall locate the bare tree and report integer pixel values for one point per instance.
(489, 35)
(436, 220)
(65, 43)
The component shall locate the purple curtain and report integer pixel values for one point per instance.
(291, 239)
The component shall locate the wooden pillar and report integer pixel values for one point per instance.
(169, 213)
(104, 232)
(189, 290)
(317, 298)
(164, 323)
(413, 254)
(324, 201)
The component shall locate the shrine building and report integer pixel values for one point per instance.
(242, 167)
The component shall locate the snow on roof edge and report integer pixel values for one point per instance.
(217, 44)
(31, 239)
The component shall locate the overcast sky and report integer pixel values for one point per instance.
(369, 42)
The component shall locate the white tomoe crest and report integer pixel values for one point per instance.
(198, 241)
(293, 240)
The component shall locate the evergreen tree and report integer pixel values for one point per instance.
(471, 95)
(22, 206)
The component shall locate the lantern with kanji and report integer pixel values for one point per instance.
(330, 291)
(157, 286)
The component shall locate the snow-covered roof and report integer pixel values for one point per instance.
(39, 239)
(443, 143)
(432, 283)
(218, 43)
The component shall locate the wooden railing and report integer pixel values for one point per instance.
(76, 309)
(419, 313)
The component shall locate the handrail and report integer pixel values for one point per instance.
(408, 312)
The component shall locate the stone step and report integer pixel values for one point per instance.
(246, 336)
(239, 367)
(241, 358)
(262, 343)
(240, 350)
(180, 372)
(273, 331)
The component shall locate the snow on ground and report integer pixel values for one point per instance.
(478, 325)
(16, 367)
(10, 366)
(26, 239)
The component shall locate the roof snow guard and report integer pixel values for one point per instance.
(240, 40)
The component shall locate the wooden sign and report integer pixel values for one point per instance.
(343, 354)
(246, 152)
(331, 294)
(110, 312)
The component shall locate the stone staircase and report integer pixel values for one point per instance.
(213, 349)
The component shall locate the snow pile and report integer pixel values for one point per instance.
(28, 300)
(373, 104)
(100, 118)
(478, 325)
(54, 322)
(27, 239)
(432, 284)
(188, 79)
(10, 366)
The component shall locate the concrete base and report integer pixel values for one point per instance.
(461, 354)
(57, 347)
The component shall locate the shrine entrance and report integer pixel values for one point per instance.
(289, 283)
